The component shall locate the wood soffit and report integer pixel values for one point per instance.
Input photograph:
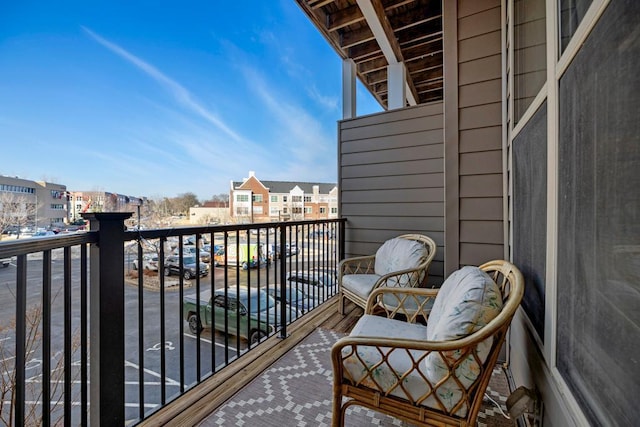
(413, 29)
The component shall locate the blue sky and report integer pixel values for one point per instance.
(157, 98)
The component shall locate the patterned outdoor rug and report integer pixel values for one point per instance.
(296, 391)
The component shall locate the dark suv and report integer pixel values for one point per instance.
(172, 266)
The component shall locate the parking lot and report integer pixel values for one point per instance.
(215, 350)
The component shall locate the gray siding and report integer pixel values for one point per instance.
(480, 132)
(391, 169)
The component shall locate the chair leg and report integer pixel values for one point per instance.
(340, 303)
(337, 414)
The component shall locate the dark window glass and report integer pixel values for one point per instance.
(529, 53)
(530, 213)
(598, 330)
(571, 14)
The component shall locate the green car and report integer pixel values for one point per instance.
(257, 312)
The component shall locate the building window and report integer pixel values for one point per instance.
(571, 14)
(242, 197)
(284, 199)
(257, 210)
(274, 198)
(296, 210)
(78, 198)
(242, 211)
(529, 53)
(307, 199)
(308, 210)
(57, 206)
(296, 199)
(257, 198)
(334, 210)
(285, 210)
(323, 210)
(274, 211)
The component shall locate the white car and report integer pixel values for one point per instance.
(149, 262)
(4, 262)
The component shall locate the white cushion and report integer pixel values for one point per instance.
(467, 301)
(399, 254)
(360, 284)
(385, 376)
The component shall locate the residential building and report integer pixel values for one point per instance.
(253, 200)
(101, 201)
(39, 203)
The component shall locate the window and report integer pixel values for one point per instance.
(257, 198)
(57, 206)
(296, 210)
(242, 210)
(308, 210)
(571, 14)
(529, 53)
(284, 198)
(296, 199)
(285, 210)
(307, 199)
(257, 210)
(323, 210)
(334, 210)
(274, 211)
(78, 198)
(274, 198)
(242, 197)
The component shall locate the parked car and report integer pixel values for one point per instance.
(292, 249)
(257, 312)
(149, 262)
(303, 298)
(190, 250)
(172, 266)
(318, 278)
(4, 262)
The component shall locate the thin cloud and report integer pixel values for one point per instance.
(181, 94)
(307, 142)
(328, 102)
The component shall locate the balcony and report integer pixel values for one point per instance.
(99, 342)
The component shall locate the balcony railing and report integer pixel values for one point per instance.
(110, 325)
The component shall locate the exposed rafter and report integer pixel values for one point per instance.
(377, 33)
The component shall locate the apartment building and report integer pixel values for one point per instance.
(100, 201)
(253, 200)
(28, 203)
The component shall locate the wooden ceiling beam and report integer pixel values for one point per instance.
(355, 37)
(373, 64)
(343, 18)
(426, 63)
(316, 4)
(427, 30)
(376, 17)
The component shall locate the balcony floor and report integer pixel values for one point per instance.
(288, 383)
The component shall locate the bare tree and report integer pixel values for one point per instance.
(16, 209)
(33, 344)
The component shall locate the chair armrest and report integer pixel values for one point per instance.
(357, 265)
(412, 303)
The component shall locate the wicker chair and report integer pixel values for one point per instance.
(387, 363)
(399, 262)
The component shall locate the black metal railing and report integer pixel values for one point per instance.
(124, 319)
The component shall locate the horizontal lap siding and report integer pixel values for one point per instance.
(480, 131)
(392, 179)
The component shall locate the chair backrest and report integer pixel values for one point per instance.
(476, 305)
(408, 251)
